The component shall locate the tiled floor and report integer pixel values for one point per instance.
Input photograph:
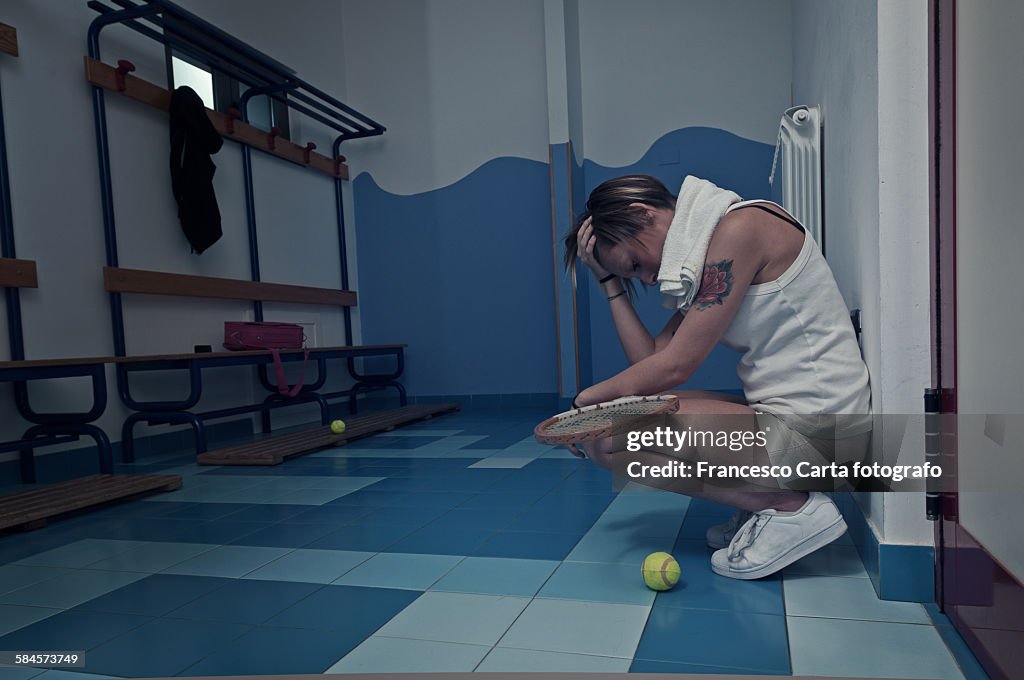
(454, 545)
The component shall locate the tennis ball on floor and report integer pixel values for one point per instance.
(337, 426)
(660, 571)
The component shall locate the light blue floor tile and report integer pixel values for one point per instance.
(509, 462)
(152, 557)
(311, 566)
(397, 655)
(456, 617)
(232, 561)
(503, 660)
(660, 524)
(598, 582)
(868, 649)
(400, 570)
(594, 628)
(837, 597)
(620, 547)
(497, 576)
(15, 577)
(78, 554)
(636, 498)
(70, 590)
(832, 560)
(15, 616)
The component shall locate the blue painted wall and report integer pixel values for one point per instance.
(729, 161)
(463, 275)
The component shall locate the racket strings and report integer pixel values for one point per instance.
(599, 418)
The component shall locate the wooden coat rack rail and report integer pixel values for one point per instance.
(119, 79)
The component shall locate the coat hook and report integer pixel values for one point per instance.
(271, 137)
(337, 165)
(123, 67)
(232, 114)
(305, 152)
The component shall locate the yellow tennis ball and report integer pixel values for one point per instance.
(660, 571)
(337, 426)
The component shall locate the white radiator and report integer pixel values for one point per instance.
(796, 181)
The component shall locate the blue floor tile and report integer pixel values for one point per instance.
(327, 514)
(701, 588)
(350, 609)
(412, 518)
(201, 511)
(259, 652)
(16, 616)
(529, 545)
(155, 595)
(310, 566)
(459, 519)
(595, 582)
(399, 570)
(250, 602)
(287, 535)
(646, 666)
(497, 576)
(162, 647)
(367, 498)
(442, 540)
(75, 629)
(277, 512)
(371, 538)
(404, 657)
(716, 638)
(503, 500)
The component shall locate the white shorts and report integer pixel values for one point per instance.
(788, 447)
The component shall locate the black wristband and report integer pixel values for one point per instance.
(607, 278)
(573, 402)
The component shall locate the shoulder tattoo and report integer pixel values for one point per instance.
(715, 286)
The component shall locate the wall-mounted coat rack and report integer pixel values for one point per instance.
(119, 79)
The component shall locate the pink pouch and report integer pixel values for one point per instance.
(273, 336)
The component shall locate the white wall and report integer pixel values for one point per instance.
(653, 66)
(58, 222)
(865, 63)
(457, 83)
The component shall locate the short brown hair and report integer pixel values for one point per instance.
(613, 219)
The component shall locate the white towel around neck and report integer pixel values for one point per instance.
(699, 207)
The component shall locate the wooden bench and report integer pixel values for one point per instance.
(273, 450)
(119, 280)
(32, 509)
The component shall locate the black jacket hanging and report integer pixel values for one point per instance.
(193, 140)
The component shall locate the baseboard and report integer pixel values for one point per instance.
(898, 572)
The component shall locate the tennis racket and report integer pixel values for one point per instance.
(603, 420)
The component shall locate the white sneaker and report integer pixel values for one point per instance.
(771, 540)
(720, 535)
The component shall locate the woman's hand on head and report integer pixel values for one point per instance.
(585, 242)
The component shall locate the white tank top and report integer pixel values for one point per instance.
(801, 361)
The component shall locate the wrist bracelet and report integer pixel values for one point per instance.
(619, 294)
(607, 278)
